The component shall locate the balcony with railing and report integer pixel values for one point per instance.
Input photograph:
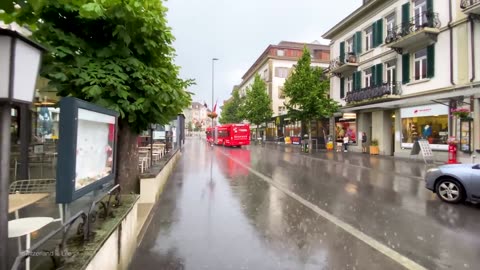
(348, 64)
(382, 92)
(419, 32)
(470, 6)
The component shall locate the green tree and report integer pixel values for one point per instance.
(115, 53)
(231, 111)
(307, 93)
(257, 108)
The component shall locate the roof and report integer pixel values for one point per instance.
(283, 45)
(353, 17)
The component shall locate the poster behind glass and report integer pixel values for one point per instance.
(346, 128)
(465, 136)
(95, 144)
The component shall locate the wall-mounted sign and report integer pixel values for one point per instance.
(87, 148)
(425, 110)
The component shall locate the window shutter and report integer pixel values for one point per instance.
(405, 13)
(359, 80)
(374, 35)
(342, 52)
(379, 76)
(373, 79)
(354, 81)
(379, 36)
(358, 42)
(342, 87)
(405, 68)
(431, 61)
(430, 5)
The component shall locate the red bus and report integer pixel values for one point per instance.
(233, 135)
(230, 135)
(209, 134)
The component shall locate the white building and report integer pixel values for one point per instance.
(398, 69)
(197, 115)
(274, 65)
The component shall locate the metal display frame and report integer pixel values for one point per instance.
(67, 153)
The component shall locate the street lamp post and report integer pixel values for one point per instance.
(213, 94)
(19, 64)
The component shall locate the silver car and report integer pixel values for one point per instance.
(455, 183)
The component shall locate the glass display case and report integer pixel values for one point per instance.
(87, 148)
(465, 135)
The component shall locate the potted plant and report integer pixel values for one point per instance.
(374, 147)
(461, 113)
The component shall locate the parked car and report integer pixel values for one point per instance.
(455, 183)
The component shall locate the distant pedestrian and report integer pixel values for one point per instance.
(364, 142)
(345, 143)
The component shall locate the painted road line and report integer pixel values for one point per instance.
(392, 254)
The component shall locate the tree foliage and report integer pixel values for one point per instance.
(231, 111)
(257, 108)
(115, 53)
(306, 92)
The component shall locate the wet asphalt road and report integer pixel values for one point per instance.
(217, 214)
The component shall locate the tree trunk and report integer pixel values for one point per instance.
(127, 159)
(256, 135)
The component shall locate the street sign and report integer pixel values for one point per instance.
(424, 147)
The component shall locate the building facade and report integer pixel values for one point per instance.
(399, 68)
(196, 114)
(274, 65)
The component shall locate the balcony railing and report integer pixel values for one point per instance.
(426, 19)
(468, 3)
(373, 92)
(336, 64)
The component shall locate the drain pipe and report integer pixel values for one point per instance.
(472, 44)
(450, 18)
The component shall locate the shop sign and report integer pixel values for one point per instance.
(426, 110)
(296, 140)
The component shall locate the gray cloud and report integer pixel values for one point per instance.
(237, 32)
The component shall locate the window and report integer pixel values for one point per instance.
(349, 47)
(368, 77)
(281, 95)
(391, 68)
(281, 72)
(349, 84)
(390, 23)
(265, 74)
(420, 12)
(280, 52)
(368, 39)
(420, 64)
(281, 110)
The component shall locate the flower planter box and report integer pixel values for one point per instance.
(374, 150)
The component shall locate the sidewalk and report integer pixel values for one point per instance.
(407, 167)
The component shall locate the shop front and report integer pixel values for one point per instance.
(346, 125)
(429, 122)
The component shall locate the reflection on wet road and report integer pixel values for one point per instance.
(217, 214)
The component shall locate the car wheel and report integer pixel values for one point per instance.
(450, 190)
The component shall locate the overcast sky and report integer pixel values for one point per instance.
(238, 31)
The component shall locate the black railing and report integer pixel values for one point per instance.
(468, 3)
(417, 23)
(61, 250)
(338, 62)
(372, 92)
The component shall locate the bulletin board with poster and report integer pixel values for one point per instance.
(348, 128)
(87, 148)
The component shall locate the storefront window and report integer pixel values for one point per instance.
(348, 128)
(428, 122)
